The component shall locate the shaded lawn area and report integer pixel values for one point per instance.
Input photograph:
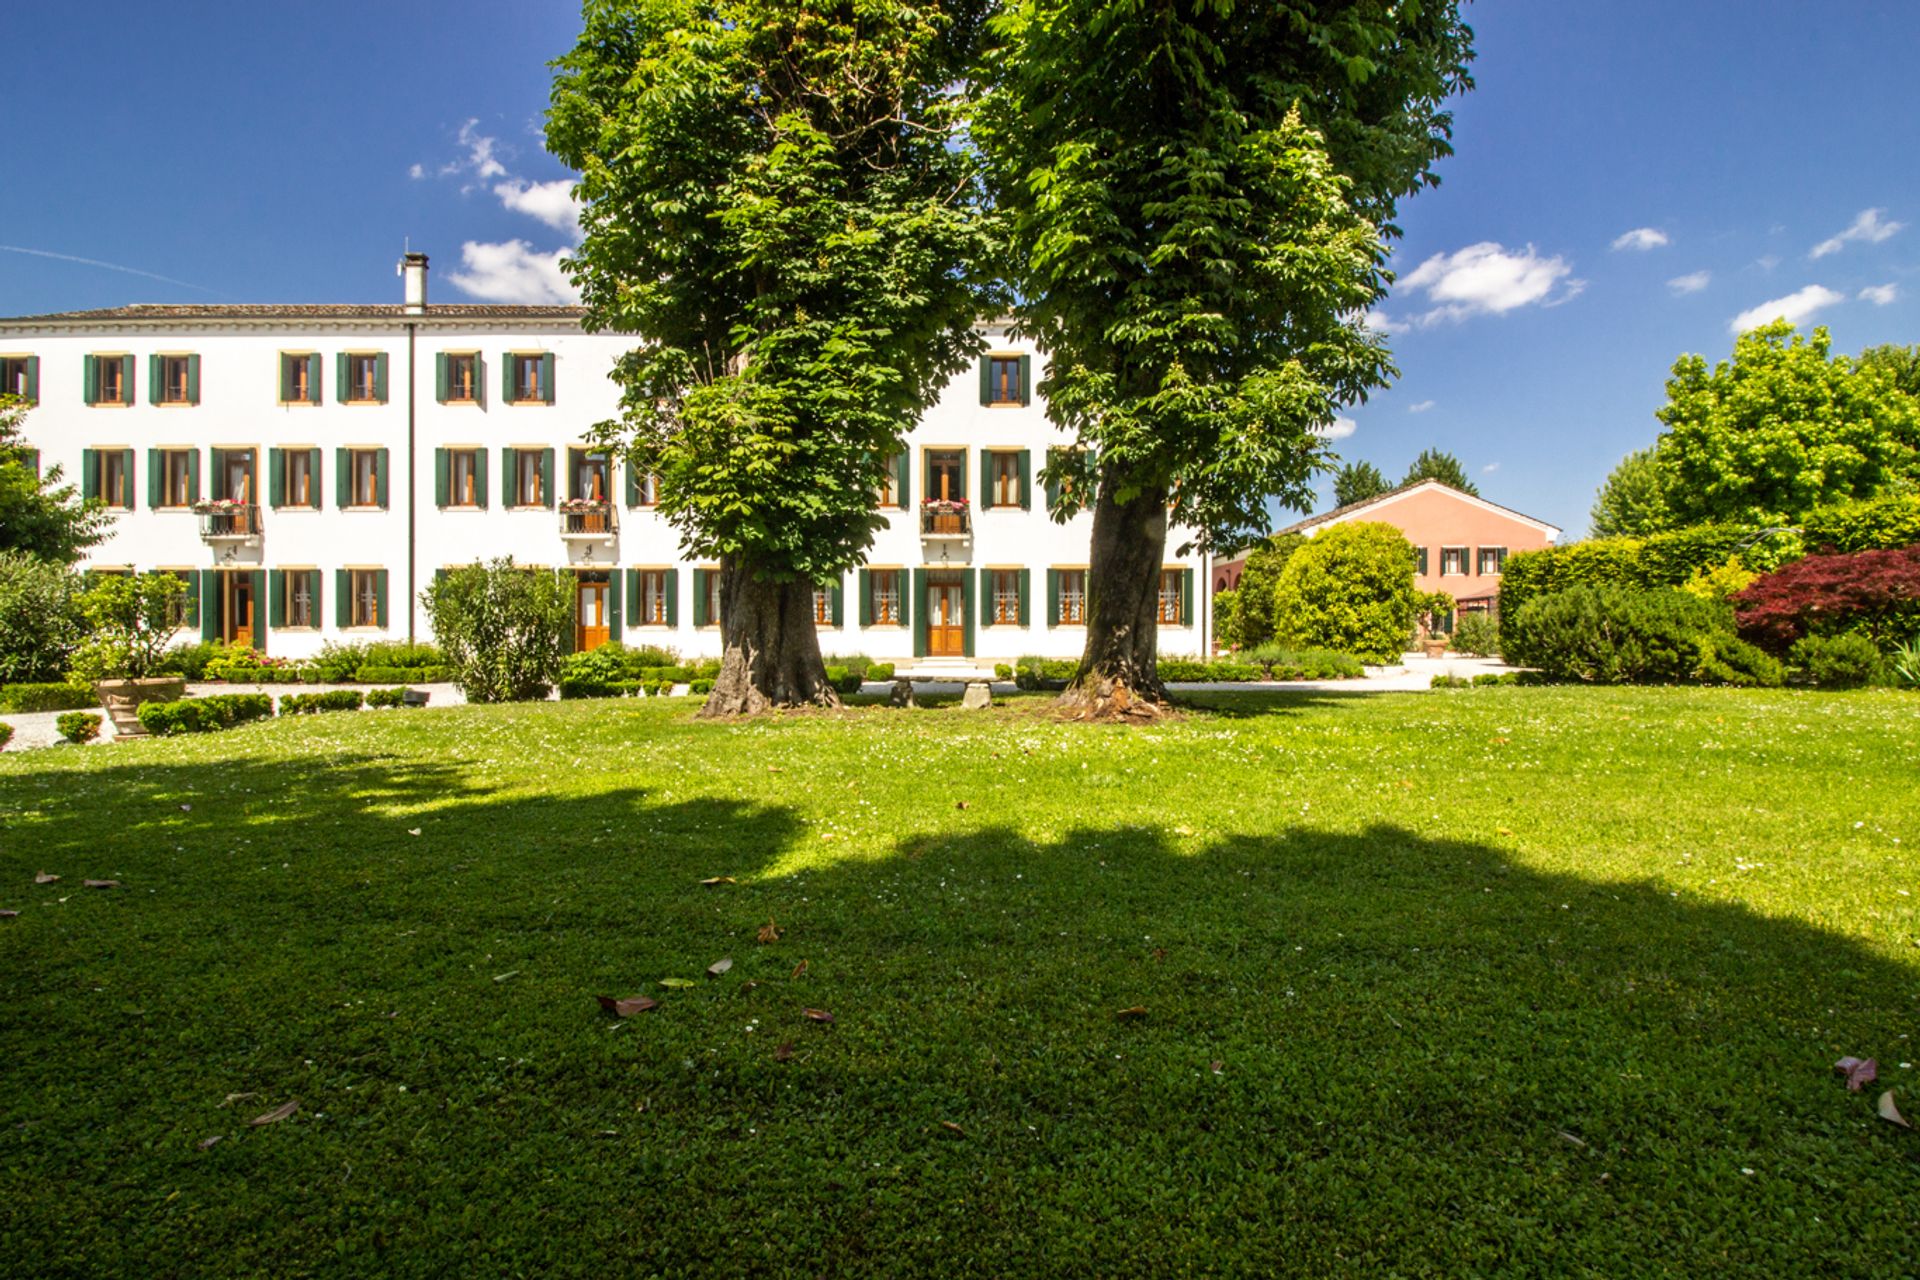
(1501, 980)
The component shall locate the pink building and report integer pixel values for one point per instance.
(1461, 543)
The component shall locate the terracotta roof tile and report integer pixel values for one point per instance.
(300, 311)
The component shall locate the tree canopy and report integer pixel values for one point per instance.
(1350, 587)
(773, 199)
(39, 514)
(1783, 427)
(1633, 501)
(1437, 464)
(1356, 482)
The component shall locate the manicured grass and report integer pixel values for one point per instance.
(1496, 981)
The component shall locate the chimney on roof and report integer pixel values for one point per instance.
(413, 270)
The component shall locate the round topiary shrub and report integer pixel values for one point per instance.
(78, 726)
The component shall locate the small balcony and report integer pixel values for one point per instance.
(945, 518)
(585, 519)
(226, 520)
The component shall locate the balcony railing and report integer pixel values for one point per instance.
(942, 518)
(228, 521)
(581, 518)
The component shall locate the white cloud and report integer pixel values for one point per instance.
(1381, 322)
(513, 271)
(480, 160)
(1338, 429)
(1641, 238)
(1880, 295)
(1420, 407)
(1489, 469)
(1692, 282)
(1487, 279)
(1797, 308)
(1767, 262)
(416, 171)
(551, 202)
(1868, 227)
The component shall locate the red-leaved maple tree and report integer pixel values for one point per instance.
(1874, 592)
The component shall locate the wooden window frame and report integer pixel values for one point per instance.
(20, 368)
(470, 360)
(1177, 579)
(121, 498)
(1005, 477)
(175, 393)
(1006, 603)
(926, 471)
(524, 391)
(369, 391)
(525, 462)
(1070, 575)
(370, 500)
(578, 457)
(123, 388)
(355, 579)
(287, 577)
(1461, 572)
(995, 400)
(889, 495)
(1498, 556)
(471, 500)
(645, 581)
(296, 375)
(288, 500)
(875, 580)
(168, 459)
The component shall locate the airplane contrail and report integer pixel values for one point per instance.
(110, 266)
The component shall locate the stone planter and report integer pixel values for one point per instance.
(122, 699)
(1434, 648)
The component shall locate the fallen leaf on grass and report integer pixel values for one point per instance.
(1858, 1072)
(101, 884)
(628, 1007)
(816, 1015)
(502, 977)
(204, 1143)
(1502, 831)
(1137, 1011)
(186, 808)
(951, 1127)
(43, 877)
(1571, 1139)
(783, 1052)
(8, 914)
(1499, 742)
(1891, 1113)
(413, 831)
(959, 804)
(278, 1114)
(769, 932)
(719, 967)
(1216, 1067)
(798, 970)
(711, 881)
(676, 984)
(232, 1098)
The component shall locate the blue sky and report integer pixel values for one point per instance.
(1630, 178)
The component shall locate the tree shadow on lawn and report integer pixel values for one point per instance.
(1371, 1051)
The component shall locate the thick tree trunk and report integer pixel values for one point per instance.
(1119, 677)
(771, 656)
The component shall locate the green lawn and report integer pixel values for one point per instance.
(1494, 981)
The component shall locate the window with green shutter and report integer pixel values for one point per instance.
(363, 377)
(20, 378)
(299, 377)
(456, 377)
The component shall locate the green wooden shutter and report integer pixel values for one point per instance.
(1026, 479)
(506, 378)
(154, 477)
(547, 494)
(479, 379)
(546, 375)
(442, 481)
(126, 477)
(986, 597)
(193, 379)
(440, 378)
(633, 483)
(313, 482)
(700, 597)
(380, 480)
(837, 603)
(1186, 597)
(673, 597)
(1053, 597)
(286, 379)
(277, 598)
(380, 597)
(633, 586)
(342, 481)
(919, 615)
(986, 479)
(258, 586)
(1026, 579)
(340, 381)
(313, 384)
(1026, 380)
(210, 584)
(219, 457)
(193, 476)
(90, 379)
(960, 490)
(276, 477)
(863, 582)
(380, 377)
(614, 610)
(89, 472)
(986, 380)
(191, 614)
(903, 477)
(154, 383)
(33, 379)
(507, 494)
(1053, 481)
(313, 590)
(969, 581)
(342, 598)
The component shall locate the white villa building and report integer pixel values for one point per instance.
(308, 469)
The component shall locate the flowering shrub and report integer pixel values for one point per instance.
(1873, 593)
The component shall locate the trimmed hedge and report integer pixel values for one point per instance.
(78, 726)
(6, 735)
(1662, 560)
(204, 715)
(299, 704)
(403, 675)
(1877, 525)
(388, 697)
(47, 697)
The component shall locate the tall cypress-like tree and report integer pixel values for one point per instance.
(1196, 194)
(777, 207)
(1438, 464)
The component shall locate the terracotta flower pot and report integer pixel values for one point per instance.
(122, 699)
(1435, 648)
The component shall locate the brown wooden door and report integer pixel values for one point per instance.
(946, 624)
(593, 631)
(240, 604)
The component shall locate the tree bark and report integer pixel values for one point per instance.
(1119, 677)
(771, 647)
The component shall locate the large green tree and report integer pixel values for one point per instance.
(1902, 363)
(38, 514)
(1356, 482)
(1781, 428)
(1633, 501)
(1438, 464)
(1196, 193)
(776, 202)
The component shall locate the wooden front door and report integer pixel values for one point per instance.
(946, 619)
(593, 629)
(240, 605)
